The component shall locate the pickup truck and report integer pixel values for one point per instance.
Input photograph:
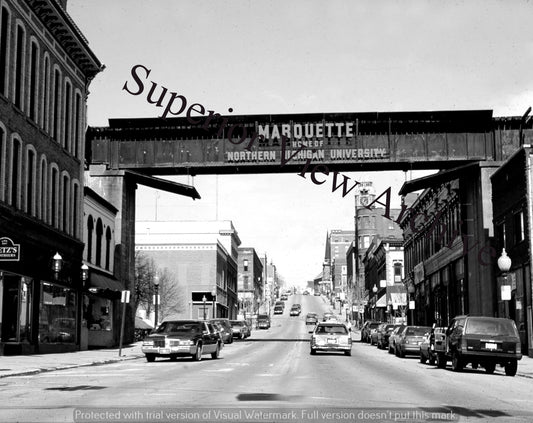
(480, 341)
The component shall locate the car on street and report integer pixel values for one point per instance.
(427, 347)
(224, 328)
(306, 292)
(296, 309)
(284, 297)
(368, 327)
(329, 336)
(263, 321)
(278, 309)
(327, 316)
(395, 334)
(178, 338)
(482, 341)
(240, 329)
(311, 319)
(410, 339)
(382, 335)
(317, 294)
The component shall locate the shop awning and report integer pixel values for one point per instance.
(100, 281)
(382, 302)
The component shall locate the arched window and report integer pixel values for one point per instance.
(75, 208)
(18, 92)
(43, 190)
(68, 116)
(56, 118)
(2, 161)
(14, 186)
(107, 247)
(78, 124)
(90, 228)
(30, 181)
(54, 188)
(45, 116)
(4, 50)
(99, 234)
(65, 203)
(34, 81)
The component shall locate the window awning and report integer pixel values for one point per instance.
(382, 302)
(100, 281)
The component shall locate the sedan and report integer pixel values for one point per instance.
(177, 338)
(382, 336)
(311, 319)
(331, 337)
(240, 329)
(427, 347)
(410, 339)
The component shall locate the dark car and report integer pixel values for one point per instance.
(263, 321)
(427, 347)
(328, 336)
(311, 319)
(240, 329)
(383, 333)
(224, 328)
(481, 341)
(408, 342)
(295, 310)
(178, 338)
(278, 309)
(368, 327)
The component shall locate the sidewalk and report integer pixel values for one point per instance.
(17, 365)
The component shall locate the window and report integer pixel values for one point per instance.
(54, 182)
(46, 95)
(99, 233)
(2, 164)
(30, 182)
(43, 191)
(57, 319)
(19, 67)
(246, 283)
(4, 41)
(366, 241)
(66, 131)
(65, 203)
(34, 57)
(15, 173)
(77, 126)
(397, 272)
(90, 227)
(107, 247)
(518, 224)
(56, 107)
(75, 210)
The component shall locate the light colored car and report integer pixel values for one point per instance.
(329, 336)
(410, 340)
(394, 336)
(240, 329)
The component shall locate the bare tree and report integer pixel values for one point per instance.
(172, 298)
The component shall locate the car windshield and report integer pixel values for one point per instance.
(338, 329)
(373, 325)
(237, 323)
(490, 327)
(172, 327)
(417, 331)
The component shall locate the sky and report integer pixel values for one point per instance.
(303, 56)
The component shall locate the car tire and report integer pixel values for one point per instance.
(390, 350)
(402, 353)
(511, 367)
(198, 355)
(173, 357)
(150, 358)
(457, 362)
(490, 367)
(431, 361)
(423, 358)
(441, 361)
(313, 352)
(216, 354)
(349, 353)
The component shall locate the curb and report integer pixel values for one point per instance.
(72, 366)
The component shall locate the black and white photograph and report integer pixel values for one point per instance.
(266, 211)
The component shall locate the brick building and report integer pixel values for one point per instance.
(46, 67)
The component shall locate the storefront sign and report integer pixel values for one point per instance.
(9, 251)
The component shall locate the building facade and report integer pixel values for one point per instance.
(46, 67)
(512, 214)
(249, 282)
(201, 257)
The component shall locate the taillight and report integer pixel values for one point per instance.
(518, 347)
(462, 346)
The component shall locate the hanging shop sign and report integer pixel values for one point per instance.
(9, 251)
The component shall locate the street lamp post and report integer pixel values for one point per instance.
(204, 299)
(156, 298)
(504, 264)
(214, 296)
(374, 290)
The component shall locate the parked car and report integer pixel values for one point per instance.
(240, 329)
(481, 341)
(327, 315)
(382, 335)
(284, 297)
(368, 327)
(396, 333)
(427, 347)
(177, 338)
(410, 339)
(311, 319)
(317, 294)
(331, 337)
(224, 327)
(263, 321)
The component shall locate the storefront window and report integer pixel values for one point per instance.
(98, 312)
(25, 309)
(15, 307)
(57, 318)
